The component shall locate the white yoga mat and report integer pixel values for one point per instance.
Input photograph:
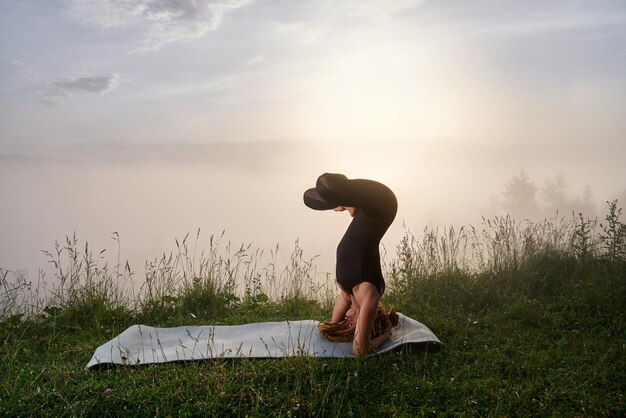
(141, 344)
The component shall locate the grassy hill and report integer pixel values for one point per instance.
(532, 315)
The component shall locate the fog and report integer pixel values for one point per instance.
(151, 195)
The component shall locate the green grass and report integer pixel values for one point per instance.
(542, 331)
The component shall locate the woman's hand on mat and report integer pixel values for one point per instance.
(378, 341)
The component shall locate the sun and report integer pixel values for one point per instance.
(379, 93)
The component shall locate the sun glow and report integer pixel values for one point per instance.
(384, 94)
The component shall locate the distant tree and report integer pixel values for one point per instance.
(587, 207)
(520, 199)
(555, 198)
(554, 195)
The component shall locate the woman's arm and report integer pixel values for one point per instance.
(342, 304)
(368, 298)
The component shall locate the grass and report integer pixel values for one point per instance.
(531, 315)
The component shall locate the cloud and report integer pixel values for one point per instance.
(28, 71)
(375, 9)
(562, 21)
(161, 21)
(56, 88)
(256, 60)
(304, 32)
(319, 16)
(84, 83)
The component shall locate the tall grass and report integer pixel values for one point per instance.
(207, 282)
(510, 265)
(86, 289)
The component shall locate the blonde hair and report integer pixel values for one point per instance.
(343, 331)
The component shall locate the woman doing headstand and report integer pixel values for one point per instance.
(373, 207)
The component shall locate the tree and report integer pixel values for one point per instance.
(520, 197)
(554, 195)
(587, 207)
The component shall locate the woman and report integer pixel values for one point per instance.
(373, 207)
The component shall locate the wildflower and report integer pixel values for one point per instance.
(108, 391)
(222, 394)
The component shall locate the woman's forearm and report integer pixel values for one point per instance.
(342, 304)
(360, 347)
(362, 344)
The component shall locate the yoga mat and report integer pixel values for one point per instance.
(141, 344)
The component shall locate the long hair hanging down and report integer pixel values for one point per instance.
(343, 331)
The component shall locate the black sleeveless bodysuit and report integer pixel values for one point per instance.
(358, 256)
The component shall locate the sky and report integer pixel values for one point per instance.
(160, 71)
(107, 104)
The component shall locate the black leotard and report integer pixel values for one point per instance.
(358, 257)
